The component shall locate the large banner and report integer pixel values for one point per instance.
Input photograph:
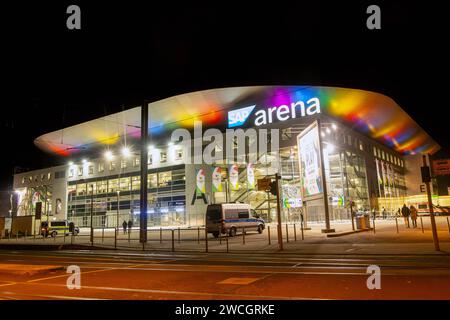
(309, 161)
(200, 182)
(250, 176)
(217, 179)
(233, 176)
(292, 197)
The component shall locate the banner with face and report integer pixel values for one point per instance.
(200, 182)
(251, 176)
(233, 173)
(217, 179)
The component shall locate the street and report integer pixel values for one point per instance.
(143, 275)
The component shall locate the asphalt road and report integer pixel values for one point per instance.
(128, 275)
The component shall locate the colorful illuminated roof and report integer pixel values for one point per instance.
(373, 114)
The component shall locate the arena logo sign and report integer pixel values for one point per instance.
(238, 117)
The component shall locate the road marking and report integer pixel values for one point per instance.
(8, 284)
(194, 293)
(242, 281)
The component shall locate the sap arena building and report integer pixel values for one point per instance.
(335, 144)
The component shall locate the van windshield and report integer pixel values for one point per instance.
(213, 212)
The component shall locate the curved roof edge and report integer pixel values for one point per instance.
(370, 113)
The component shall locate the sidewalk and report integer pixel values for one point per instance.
(383, 240)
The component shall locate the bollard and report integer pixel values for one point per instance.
(287, 233)
(220, 238)
(206, 240)
(71, 239)
(421, 224)
(178, 234)
(374, 226)
(160, 235)
(198, 235)
(448, 225)
(64, 238)
(115, 238)
(301, 226)
(173, 240)
(268, 234)
(396, 223)
(129, 235)
(103, 234)
(243, 235)
(227, 243)
(295, 233)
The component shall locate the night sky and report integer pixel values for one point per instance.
(54, 77)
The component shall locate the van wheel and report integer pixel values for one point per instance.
(215, 234)
(233, 232)
(53, 234)
(260, 229)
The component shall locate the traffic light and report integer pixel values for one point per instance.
(273, 188)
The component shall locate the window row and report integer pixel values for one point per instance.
(155, 180)
(123, 164)
(387, 157)
(36, 178)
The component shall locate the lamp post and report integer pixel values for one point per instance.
(118, 205)
(92, 210)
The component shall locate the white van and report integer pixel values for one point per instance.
(230, 218)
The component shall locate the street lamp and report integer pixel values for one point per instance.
(92, 210)
(126, 152)
(109, 155)
(118, 205)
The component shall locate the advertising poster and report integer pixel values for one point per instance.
(201, 185)
(233, 173)
(250, 176)
(217, 179)
(291, 196)
(309, 160)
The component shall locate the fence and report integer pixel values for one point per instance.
(198, 239)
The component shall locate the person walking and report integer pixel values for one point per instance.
(130, 225)
(413, 212)
(405, 214)
(384, 213)
(124, 226)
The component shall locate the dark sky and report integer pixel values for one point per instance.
(54, 77)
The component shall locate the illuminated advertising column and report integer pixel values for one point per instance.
(312, 169)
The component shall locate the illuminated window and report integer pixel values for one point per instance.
(112, 166)
(49, 175)
(361, 146)
(91, 170)
(135, 183)
(125, 184)
(379, 153)
(113, 185)
(163, 157)
(374, 151)
(71, 173)
(23, 180)
(101, 167)
(383, 155)
(102, 186)
(152, 180)
(179, 154)
(80, 171)
(164, 179)
(136, 162)
(123, 164)
(43, 176)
